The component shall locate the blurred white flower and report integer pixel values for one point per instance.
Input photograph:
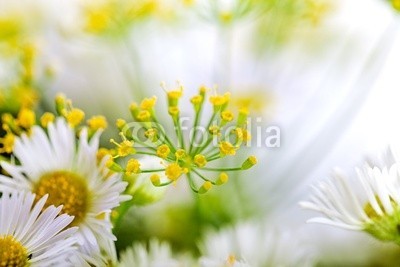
(370, 203)
(32, 235)
(157, 254)
(54, 163)
(254, 244)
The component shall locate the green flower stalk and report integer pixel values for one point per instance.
(188, 155)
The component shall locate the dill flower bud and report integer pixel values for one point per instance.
(132, 167)
(205, 187)
(200, 160)
(148, 103)
(163, 151)
(250, 162)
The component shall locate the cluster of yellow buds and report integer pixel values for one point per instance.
(26, 118)
(116, 16)
(189, 155)
(12, 126)
(74, 116)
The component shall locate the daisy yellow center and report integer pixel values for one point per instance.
(67, 189)
(12, 252)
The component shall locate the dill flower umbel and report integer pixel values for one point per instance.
(369, 203)
(33, 235)
(52, 162)
(224, 134)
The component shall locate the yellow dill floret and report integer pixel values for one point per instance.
(173, 111)
(219, 100)
(222, 178)
(174, 95)
(134, 109)
(249, 162)
(151, 134)
(143, 115)
(26, 118)
(173, 171)
(75, 116)
(239, 133)
(60, 101)
(163, 151)
(242, 117)
(203, 90)
(200, 160)
(112, 165)
(196, 100)
(227, 115)
(226, 148)
(148, 103)
(46, 118)
(132, 167)
(124, 148)
(246, 135)
(242, 134)
(205, 187)
(214, 130)
(8, 143)
(120, 123)
(155, 179)
(180, 154)
(97, 122)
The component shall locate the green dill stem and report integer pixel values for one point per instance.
(202, 177)
(191, 183)
(196, 123)
(214, 156)
(210, 136)
(154, 170)
(146, 153)
(122, 210)
(223, 169)
(170, 144)
(164, 184)
(153, 154)
(178, 131)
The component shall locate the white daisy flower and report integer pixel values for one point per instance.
(157, 255)
(55, 164)
(32, 235)
(369, 203)
(251, 244)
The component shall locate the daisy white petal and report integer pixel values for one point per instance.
(31, 238)
(369, 203)
(54, 163)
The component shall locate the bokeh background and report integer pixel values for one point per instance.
(326, 72)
